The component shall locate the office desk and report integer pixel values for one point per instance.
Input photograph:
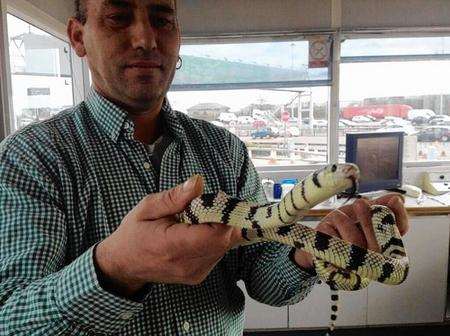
(420, 299)
(428, 207)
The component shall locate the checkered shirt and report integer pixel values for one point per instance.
(66, 184)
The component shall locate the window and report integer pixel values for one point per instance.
(398, 84)
(264, 92)
(41, 75)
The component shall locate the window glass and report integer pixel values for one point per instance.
(267, 121)
(396, 46)
(282, 123)
(408, 96)
(266, 62)
(41, 74)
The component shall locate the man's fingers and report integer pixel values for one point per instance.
(169, 202)
(396, 203)
(236, 237)
(328, 228)
(203, 238)
(363, 215)
(400, 214)
(349, 211)
(345, 227)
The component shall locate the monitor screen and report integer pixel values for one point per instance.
(379, 157)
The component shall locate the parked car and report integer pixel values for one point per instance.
(407, 129)
(259, 123)
(436, 133)
(291, 131)
(227, 117)
(245, 120)
(439, 120)
(424, 113)
(294, 131)
(319, 123)
(417, 121)
(361, 119)
(343, 123)
(390, 121)
(265, 132)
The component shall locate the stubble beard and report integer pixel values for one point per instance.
(140, 94)
(147, 95)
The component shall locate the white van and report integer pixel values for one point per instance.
(245, 120)
(227, 117)
(425, 113)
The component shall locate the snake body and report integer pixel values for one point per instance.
(343, 266)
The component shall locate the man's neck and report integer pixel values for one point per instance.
(147, 127)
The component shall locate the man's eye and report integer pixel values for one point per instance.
(161, 22)
(119, 19)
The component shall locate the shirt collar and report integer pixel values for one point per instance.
(114, 120)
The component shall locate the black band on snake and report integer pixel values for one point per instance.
(343, 266)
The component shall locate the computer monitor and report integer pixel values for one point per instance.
(379, 157)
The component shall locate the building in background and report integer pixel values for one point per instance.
(41, 74)
(207, 111)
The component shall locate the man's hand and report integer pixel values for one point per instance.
(151, 246)
(352, 223)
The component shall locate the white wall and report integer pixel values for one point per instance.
(199, 17)
(395, 13)
(213, 17)
(236, 16)
(59, 9)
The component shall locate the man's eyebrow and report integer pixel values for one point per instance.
(162, 8)
(126, 4)
(116, 3)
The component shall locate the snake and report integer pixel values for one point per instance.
(340, 264)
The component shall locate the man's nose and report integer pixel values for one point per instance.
(143, 35)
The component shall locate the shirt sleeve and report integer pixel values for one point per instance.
(269, 274)
(41, 292)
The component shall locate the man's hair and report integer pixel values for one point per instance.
(81, 11)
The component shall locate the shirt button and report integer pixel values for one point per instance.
(147, 166)
(126, 315)
(186, 326)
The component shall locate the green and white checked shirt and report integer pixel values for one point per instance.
(66, 183)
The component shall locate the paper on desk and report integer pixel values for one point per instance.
(442, 199)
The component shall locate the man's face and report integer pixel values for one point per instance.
(132, 48)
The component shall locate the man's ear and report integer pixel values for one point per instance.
(75, 34)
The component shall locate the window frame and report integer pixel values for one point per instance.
(26, 11)
(253, 39)
(275, 37)
(337, 37)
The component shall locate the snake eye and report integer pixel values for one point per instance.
(333, 168)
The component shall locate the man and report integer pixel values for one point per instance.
(89, 240)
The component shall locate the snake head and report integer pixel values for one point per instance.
(344, 176)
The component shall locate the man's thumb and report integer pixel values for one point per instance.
(172, 201)
(193, 187)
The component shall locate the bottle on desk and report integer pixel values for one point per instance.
(287, 185)
(268, 185)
